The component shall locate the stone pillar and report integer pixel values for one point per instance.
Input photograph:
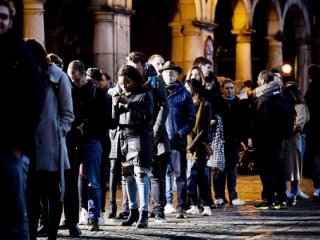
(275, 56)
(103, 36)
(121, 40)
(177, 44)
(304, 59)
(243, 56)
(33, 22)
(192, 46)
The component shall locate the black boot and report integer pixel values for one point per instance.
(143, 220)
(133, 217)
(113, 210)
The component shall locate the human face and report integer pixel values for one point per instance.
(5, 20)
(228, 90)
(126, 84)
(206, 69)
(195, 74)
(104, 83)
(74, 74)
(138, 66)
(169, 76)
(157, 62)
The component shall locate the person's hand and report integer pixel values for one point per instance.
(124, 100)
(249, 142)
(115, 99)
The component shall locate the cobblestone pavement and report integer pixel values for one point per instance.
(229, 222)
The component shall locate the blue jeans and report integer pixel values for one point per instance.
(90, 153)
(138, 182)
(170, 183)
(13, 220)
(179, 164)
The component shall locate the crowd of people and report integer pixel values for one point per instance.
(153, 130)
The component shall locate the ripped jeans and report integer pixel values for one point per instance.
(138, 182)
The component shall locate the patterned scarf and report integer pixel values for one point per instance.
(217, 159)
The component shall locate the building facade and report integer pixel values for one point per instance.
(242, 37)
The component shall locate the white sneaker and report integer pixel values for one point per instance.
(169, 209)
(238, 202)
(83, 220)
(206, 211)
(193, 210)
(316, 192)
(219, 201)
(101, 219)
(302, 195)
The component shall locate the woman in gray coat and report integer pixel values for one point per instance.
(46, 181)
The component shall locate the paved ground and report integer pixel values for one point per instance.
(229, 222)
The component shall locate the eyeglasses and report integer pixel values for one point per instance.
(4, 16)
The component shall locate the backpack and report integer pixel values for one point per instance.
(283, 115)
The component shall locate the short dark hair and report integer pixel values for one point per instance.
(202, 60)
(132, 73)
(137, 57)
(10, 5)
(95, 73)
(267, 75)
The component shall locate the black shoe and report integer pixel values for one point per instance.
(42, 231)
(113, 210)
(180, 213)
(132, 218)
(281, 205)
(143, 220)
(152, 214)
(112, 215)
(74, 231)
(264, 206)
(160, 217)
(93, 225)
(292, 201)
(123, 215)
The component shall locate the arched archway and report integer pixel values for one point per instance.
(267, 39)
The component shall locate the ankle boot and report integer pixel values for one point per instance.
(112, 210)
(143, 220)
(133, 217)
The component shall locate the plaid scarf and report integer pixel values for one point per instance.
(217, 159)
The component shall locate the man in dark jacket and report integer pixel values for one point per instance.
(20, 76)
(268, 144)
(180, 122)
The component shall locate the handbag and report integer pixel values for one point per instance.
(208, 150)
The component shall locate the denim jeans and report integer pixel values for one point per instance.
(179, 164)
(90, 153)
(13, 220)
(197, 182)
(157, 176)
(138, 183)
(169, 183)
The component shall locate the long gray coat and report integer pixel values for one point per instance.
(292, 147)
(56, 118)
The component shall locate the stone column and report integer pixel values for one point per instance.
(177, 44)
(243, 55)
(103, 45)
(121, 39)
(33, 22)
(192, 46)
(304, 60)
(275, 56)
